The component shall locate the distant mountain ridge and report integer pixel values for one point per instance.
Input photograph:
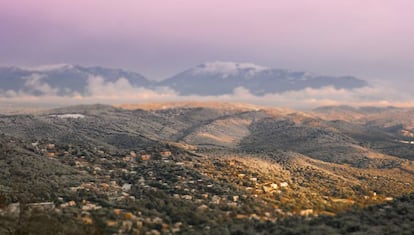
(219, 78)
(62, 79)
(209, 79)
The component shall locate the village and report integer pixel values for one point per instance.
(138, 191)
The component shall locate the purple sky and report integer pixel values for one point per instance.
(373, 39)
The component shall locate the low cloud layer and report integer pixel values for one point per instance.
(122, 92)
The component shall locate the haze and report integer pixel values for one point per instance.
(373, 40)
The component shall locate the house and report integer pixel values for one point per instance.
(232, 204)
(90, 206)
(202, 207)
(145, 157)
(267, 189)
(41, 206)
(105, 186)
(126, 187)
(87, 220)
(111, 223)
(117, 211)
(306, 212)
(215, 199)
(74, 189)
(165, 153)
(133, 154)
(241, 216)
(284, 184)
(51, 154)
(127, 158)
(68, 204)
(126, 226)
(129, 216)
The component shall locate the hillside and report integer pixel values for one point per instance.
(197, 168)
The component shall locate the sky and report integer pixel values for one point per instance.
(369, 39)
(372, 39)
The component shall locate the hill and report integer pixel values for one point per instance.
(197, 168)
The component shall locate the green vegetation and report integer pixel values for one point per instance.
(200, 171)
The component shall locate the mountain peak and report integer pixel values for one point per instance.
(226, 68)
(47, 68)
(221, 78)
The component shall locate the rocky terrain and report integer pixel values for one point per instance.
(206, 168)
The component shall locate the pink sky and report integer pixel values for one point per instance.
(369, 38)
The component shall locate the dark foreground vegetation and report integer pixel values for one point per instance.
(390, 218)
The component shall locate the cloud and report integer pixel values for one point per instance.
(122, 92)
(34, 83)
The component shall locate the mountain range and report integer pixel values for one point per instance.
(209, 79)
(64, 79)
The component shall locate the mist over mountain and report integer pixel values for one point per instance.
(218, 78)
(209, 79)
(64, 79)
